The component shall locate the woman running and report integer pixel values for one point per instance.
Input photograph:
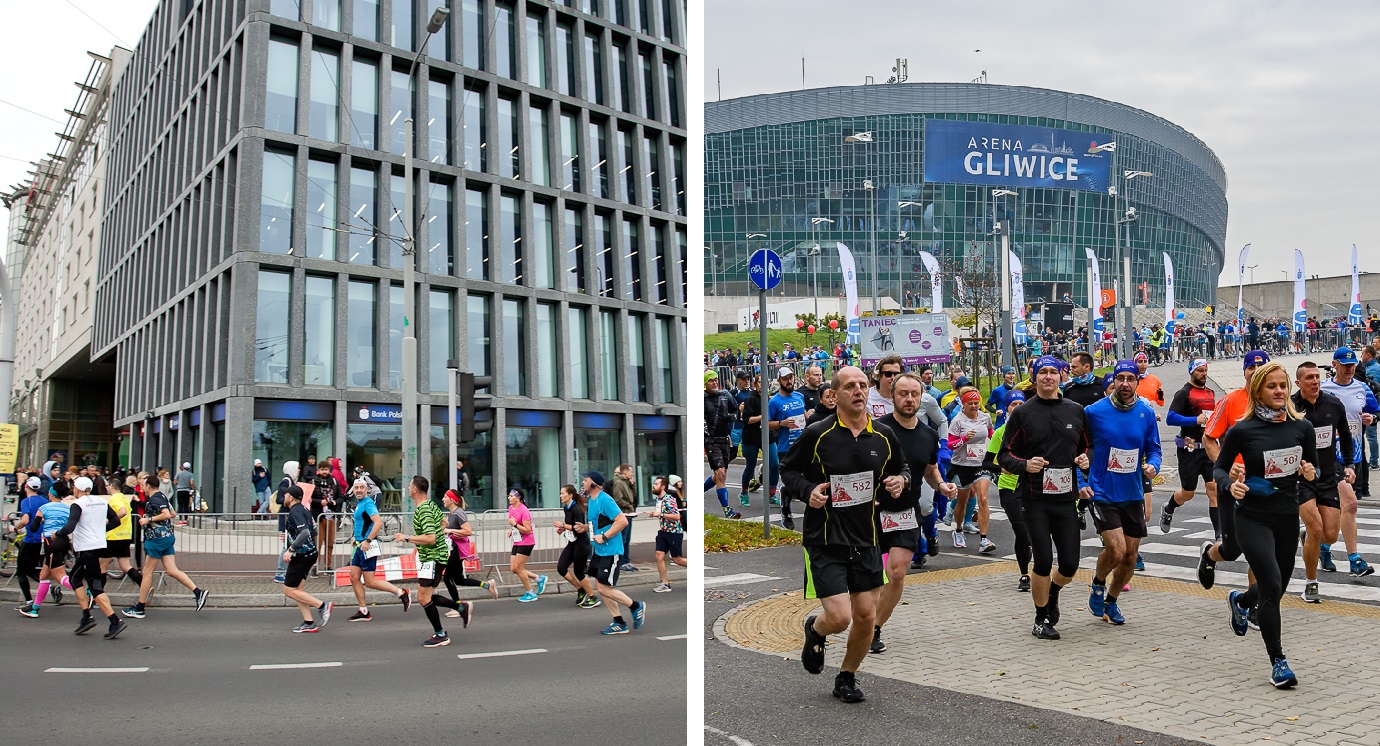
(969, 432)
(1006, 492)
(524, 541)
(575, 556)
(1277, 446)
(458, 531)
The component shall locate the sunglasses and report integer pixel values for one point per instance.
(889, 373)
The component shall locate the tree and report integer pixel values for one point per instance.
(975, 289)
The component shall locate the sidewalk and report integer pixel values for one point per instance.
(1174, 667)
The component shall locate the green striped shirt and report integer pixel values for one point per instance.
(427, 519)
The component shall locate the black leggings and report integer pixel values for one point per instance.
(1052, 525)
(1269, 542)
(455, 575)
(29, 562)
(575, 557)
(1011, 505)
(1226, 516)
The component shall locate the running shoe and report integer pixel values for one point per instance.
(919, 562)
(1140, 562)
(306, 627)
(743, 500)
(1044, 630)
(1325, 558)
(86, 625)
(731, 514)
(591, 602)
(614, 628)
(1023, 585)
(406, 599)
(970, 528)
(932, 545)
(579, 596)
(452, 614)
(1110, 613)
(116, 628)
(959, 541)
(133, 612)
(662, 588)
(326, 612)
(788, 523)
(1166, 520)
(986, 546)
(774, 500)
(1360, 569)
(948, 514)
(1052, 609)
(812, 655)
(57, 595)
(1281, 676)
(436, 641)
(491, 587)
(1097, 599)
(28, 610)
(1207, 569)
(877, 645)
(527, 597)
(279, 579)
(361, 616)
(541, 584)
(639, 615)
(466, 613)
(846, 688)
(754, 484)
(1310, 593)
(1253, 618)
(200, 596)
(1238, 614)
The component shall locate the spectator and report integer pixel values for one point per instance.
(261, 485)
(624, 493)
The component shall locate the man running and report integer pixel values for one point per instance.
(670, 534)
(31, 549)
(1006, 492)
(88, 520)
(899, 520)
(364, 561)
(785, 418)
(996, 401)
(1189, 411)
(119, 539)
(1320, 506)
(1083, 386)
(300, 557)
(160, 549)
(1361, 408)
(606, 524)
(427, 521)
(1045, 439)
(720, 412)
(879, 402)
(844, 464)
(1124, 435)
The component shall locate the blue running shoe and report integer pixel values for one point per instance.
(1325, 558)
(1281, 675)
(1097, 599)
(541, 584)
(1110, 613)
(614, 628)
(1360, 569)
(1238, 614)
(639, 614)
(527, 597)
(1140, 563)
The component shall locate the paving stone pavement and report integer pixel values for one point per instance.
(1174, 667)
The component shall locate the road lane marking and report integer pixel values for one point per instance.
(742, 578)
(501, 653)
(735, 739)
(281, 666)
(672, 637)
(97, 670)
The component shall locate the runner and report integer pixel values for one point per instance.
(51, 517)
(1361, 408)
(606, 523)
(119, 539)
(1124, 436)
(365, 559)
(1277, 446)
(524, 537)
(1320, 506)
(827, 406)
(31, 549)
(1152, 391)
(300, 557)
(159, 549)
(88, 520)
(996, 400)
(969, 432)
(1006, 492)
(898, 521)
(1189, 411)
(720, 412)
(879, 402)
(1044, 440)
(1229, 410)
(1083, 386)
(574, 559)
(670, 534)
(431, 556)
(750, 414)
(458, 533)
(785, 417)
(844, 465)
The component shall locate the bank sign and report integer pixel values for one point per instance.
(1012, 156)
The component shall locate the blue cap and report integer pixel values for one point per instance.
(1126, 366)
(1344, 356)
(1047, 361)
(961, 381)
(1007, 369)
(1254, 358)
(595, 477)
(1013, 396)
(1197, 363)
(1107, 381)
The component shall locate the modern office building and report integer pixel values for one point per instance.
(921, 177)
(251, 262)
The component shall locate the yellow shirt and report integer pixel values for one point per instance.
(124, 531)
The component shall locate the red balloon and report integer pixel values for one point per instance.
(833, 323)
(799, 323)
(811, 329)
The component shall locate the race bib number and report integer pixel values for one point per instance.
(1283, 462)
(1057, 481)
(1123, 460)
(426, 571)
(1355, 428)
(899, 521)
(516, 535)
(973, 450)
(373, 550)
(797, 422)
(569, 535)
(1322, 436)
(850, 489)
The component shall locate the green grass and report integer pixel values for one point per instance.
(722, 535)
(776, 339)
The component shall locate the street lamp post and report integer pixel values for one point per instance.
(1003, 228)
(1126, 302)
(410, 433)
(866, 137)
(814, 263)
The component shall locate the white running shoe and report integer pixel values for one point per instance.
(959, 541)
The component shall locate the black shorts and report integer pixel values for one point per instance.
(298, 568)
(964, 476)
(719, 452)
(1326, 496)
(523, 549)
(438, 572)
(1127, 516)
(907, 538)
(671, 544)
(116, 548)
(55, 552)
(835, 570)
(86, 568)
(1194, 465)
(604, 569)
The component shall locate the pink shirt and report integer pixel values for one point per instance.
(520, 514)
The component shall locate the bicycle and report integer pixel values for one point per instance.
(9, 557)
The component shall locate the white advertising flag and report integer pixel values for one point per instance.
(1095, 291)
(1240, 286)
(1353, 316)
(850, 290)
(1017, 300)
(936, 281)
(1168, 295)
(1300, 311)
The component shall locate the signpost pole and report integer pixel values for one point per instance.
(1094, 307)
(766, 431)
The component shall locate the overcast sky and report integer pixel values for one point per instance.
(1284, 92)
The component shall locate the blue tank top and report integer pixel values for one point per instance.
(54, 517)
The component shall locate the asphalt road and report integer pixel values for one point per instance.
(376, 683)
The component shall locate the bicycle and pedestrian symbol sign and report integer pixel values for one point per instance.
(764, 269)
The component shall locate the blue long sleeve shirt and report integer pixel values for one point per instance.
(1122, 442)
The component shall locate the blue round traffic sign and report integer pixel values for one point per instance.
(764, 269)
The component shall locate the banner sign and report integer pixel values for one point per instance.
(1094, 290)
(1353, 316)
(850, 289)
(9, 447)
(1300, 312)
(919, 339)
(1168, 294)
(1015, 156)
(936, 281)
(1017, 300)
(1241, 286)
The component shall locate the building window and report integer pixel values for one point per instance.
(364, 104)
(439, 46)
(510, 239)
(630, 174)
(478, 331)
(575, 253)
(474, 33)
(534, 464)
(275, 207)
(594, 66)
(541, 269)
(632, 261)
(565, 60)
(402, 111)
(649, 108)
(540, 171)
(637, 359)
(660, 290)
(546, 350)
(678, 177)
(598, 450)
(440, 260)
(326, 14)
(285, 9)
(360, 332)
(652, 169)
(608, 353)
(402, 24)
(664, 346)
(321, 225)
(598, 161)
(367, 19)
(318, 345)
(536, 49)
(280, 96)
(603, 253)
(325, 95)
(364, 215)
(438, 125)
(476, 234)
(656, 456)
(395, 337)
(668, 23)
(514, 348)
(476, 155)
(504, 42)
(680, 261)
(508, 156)
(271, 328)
(579, 359)
(622, 90)
(570, 153)
(397, 223)
(441, 339)
(672, 94)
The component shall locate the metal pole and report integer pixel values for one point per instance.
(814, 266)
(872, 228)
(1093, 308)
(766, 431)
(7, 332)
(453, 448)
(409, 341)
(1127, 337)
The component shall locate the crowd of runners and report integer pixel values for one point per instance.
(884, 460)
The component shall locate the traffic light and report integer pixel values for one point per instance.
(470, 404)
